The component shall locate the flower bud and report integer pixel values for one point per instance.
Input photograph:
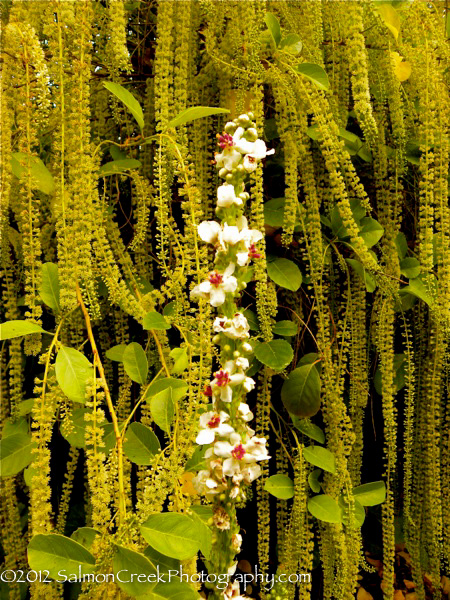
(223, 172)
(230, 127)
(251, 134)
(216, 339)
(236, 354)
(227, 348)
(243, 120)
(251, 115)
(229, 177)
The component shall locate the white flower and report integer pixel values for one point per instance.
(224, 380)
(226, 196)
(204, 483)
(249, 237)
(246, 347)
(229, 158)
(230, 234)
(257, 153)
(256, 448)
(209, 231)
(249, 384)
(216, 286)
(235, 328)
(246, 413)
(240, 458)
(236, 542)
(212, 424)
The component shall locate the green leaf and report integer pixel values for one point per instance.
(117, 153)
(370, 494)
(73, 428)
(313, 480)
(173, 534)
(399, 377)
(135, 362)
(309, 429)
(114, 167)
(285, 328)
(55, 553)
(252, 319)
(15, 454)
(401, 244)
(320, 457)
(155, 320)
(300, 393)
(281, 486)
(314, 73)
(128, 561)
(359, 514)
(42, 179)
(85, 536)
(72, 371)
(13, 329)
(141, 444)
(274, 212)
(410, 268)
(197, 461)
(325, 508)
(116, 352)
(173, 590)
(28, 475)
(276, 354)
(14, 427)
(165, 563)
(273, 26)
(366, 277)
(49, 287)
(25, 407)
(371, 231)
(195, 112)
(162, 408)
(180, 360)
(128, 100)
(291, 44)
(337, 223)
(307, 359)
(418, 289)
(204, 533)
(285, 273)
(178, 386)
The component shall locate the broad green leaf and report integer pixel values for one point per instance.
(116, 352)
(325, 508)
(359, 514)
(141, 444)
(28, 475)
(285, 328)
(336, 220)
(418, 289)
(178, 386)
(291, 44)
(320, 457)
(390, 17)
(204, 534)
(15, 454)
(309, 429)
(128, 100)
(401, 245)
(13, 427)
(285, 273)
(173, 590)
(42, 179)
(313, 480)
(13, 329)
(274, 212)
(195, 112)
(162, 408)
(117, 153)
(276, 354)
(252, 319)
(410, 268)
(300, 393)
(55, 553)
(73, 428)
(366, 277)
(135, 362)
(314, 73)
(273, 26)
(180, 360)
(128, 561)
(155, 320)
(165, 563)
(85, 536)
(49, 287)
(197, 461)
(73, 370)
(281, 486)
(25, 407)
(115, 167)
(173, 534)
(370, 231)
(254, 367)
(399, 377)
(307, 359)
(370, 494)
